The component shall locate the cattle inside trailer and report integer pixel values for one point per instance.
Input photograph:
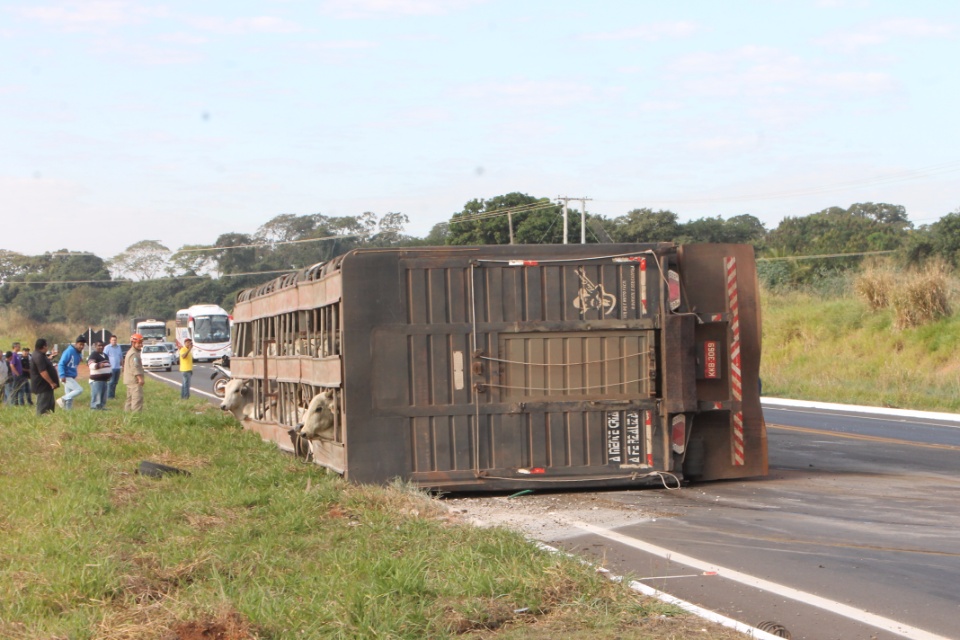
(507, 367)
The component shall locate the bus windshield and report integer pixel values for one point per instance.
(211, 329)
(153, 333)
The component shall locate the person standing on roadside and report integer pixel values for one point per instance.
(114, 353)
(69, 361)
(186, 368)
(25, 380)
(133, 375)
(43, 377)
(5, 373)
(99, 366)
(11, 390)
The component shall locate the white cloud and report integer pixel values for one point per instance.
(529, 93)
(650, 32)
(840, 4)
(340, 45)
(858, 82)
(242, 26)
(166, 51)
(382, 8)
(763, 71)
(726, 144)
(886, 31)
(91, 15)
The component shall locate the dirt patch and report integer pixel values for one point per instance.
(227, 626)
(547, 516)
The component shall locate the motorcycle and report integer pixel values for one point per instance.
(221, 376)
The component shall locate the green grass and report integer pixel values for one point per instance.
(838, 350)
(254, 544)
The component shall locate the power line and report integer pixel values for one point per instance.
(496, 213)
(186, 277)
(256, 245)
(827, 255)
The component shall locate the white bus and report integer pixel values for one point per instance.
(209, 327)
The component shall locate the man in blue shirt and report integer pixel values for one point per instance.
(114, 353)
(67, 370)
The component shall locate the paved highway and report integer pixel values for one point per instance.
(852, 535)
(201, 384)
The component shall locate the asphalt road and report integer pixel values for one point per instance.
(859, 516)
(200, 384)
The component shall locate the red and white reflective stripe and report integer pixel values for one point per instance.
(737, 452)
(523, 263)
(736, 377)
(733, 304)
(643, 286)
(648, 433)
(717, 317)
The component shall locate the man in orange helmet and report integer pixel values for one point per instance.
(133, 375)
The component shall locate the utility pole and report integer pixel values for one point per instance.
(583, 220)
(565, 201)
(583, 217)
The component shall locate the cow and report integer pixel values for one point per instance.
(320, 419)
(238, 398)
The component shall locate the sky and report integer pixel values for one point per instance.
(178, 121)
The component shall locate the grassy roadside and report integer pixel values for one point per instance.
(839, 350)
(253, 544)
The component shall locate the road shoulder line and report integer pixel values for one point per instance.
(885, 411)
(833, 606)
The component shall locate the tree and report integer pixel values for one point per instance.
(438, 235)
(940, 239)
(488, 221)
(745, 229)
(742, 229)
(287, 227)
(644, 225)
(390, 230)
(192, 260)
(863, 227)
(142, 260)
(14, 265)
(235, 254)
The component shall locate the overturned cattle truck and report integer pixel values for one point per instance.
(506, 367)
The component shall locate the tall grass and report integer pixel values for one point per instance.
(917, 297)
(850, 350)
(253, 544)
(922, 298)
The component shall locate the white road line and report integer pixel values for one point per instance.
(776, 403)
(833, 606)
(689, 607)
(177, 383)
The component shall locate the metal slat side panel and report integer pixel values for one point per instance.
(600, 365)
(439, 362)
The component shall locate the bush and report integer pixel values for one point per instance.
(922, 298)
(874, 286)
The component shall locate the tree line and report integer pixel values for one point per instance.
(150, 279)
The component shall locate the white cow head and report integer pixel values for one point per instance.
(238, 398)
(319, 420)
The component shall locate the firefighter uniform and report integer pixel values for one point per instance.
(133, 375)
